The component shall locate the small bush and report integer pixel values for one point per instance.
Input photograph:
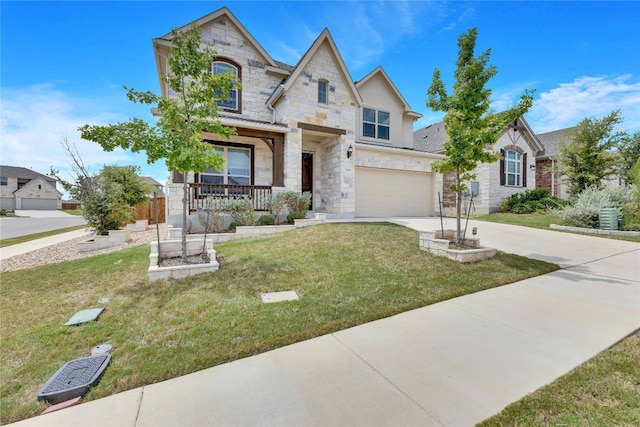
(241, 211)
(295, 215)
(275, 204)
(536, 200)
(266, 220)
(297, 202)
(211, 215)
(233, 226)
(585, 211)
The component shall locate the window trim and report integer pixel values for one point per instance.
(238, 70)
(504, 169)
(377, 124)
(230, 145)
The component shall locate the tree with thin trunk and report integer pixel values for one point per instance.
(470, 124)
(177, 135)
(589, 156)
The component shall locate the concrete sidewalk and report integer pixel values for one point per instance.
(452, 363)
(32, 245)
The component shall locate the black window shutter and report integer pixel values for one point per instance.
(502, 181)
(524, 170)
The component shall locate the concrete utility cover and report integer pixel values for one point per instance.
(84, 316)
(279, 296)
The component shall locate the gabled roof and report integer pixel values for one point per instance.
(24, 173)
(432, 138)
(380, 71)
(162, 44)
(553, 140)
(324, 37)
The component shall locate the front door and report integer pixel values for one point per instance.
(307, 175)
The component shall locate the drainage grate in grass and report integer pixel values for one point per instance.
(279, 296)
(74, 379)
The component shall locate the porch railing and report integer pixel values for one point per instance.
(198, 194)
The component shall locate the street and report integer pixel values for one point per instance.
(30, 222)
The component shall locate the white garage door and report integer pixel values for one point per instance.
(7, 203)
(386, 192)
(39, 204)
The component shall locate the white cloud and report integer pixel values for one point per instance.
(36, 118)
(569, 103)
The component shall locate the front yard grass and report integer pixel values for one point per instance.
(605, 391)
(346, 274)
(541, 220)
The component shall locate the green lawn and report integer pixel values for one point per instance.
(542, 221)
(346, 274)
(605, 391)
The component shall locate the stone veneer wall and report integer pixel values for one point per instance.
(31, 191)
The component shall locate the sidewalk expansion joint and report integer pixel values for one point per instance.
(388, 380)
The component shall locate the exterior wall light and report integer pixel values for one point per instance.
(349, 151)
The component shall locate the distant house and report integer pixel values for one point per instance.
(22, 188)
(516, 173)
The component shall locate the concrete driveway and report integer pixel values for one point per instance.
(29, 222)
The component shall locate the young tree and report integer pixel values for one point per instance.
(176, 137)
(588, 158)
(629, 154)
(470, 124)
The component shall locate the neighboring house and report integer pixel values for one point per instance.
(157, 187)
(307, 127)
(515, 173)
(547, 175)
(22, 188)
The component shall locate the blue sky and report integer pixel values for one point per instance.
(63, 64)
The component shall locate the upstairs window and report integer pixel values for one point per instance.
(221, 67)
(4, 180)
(375, 124)
(322, 91)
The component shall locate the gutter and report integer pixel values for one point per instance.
(272, 99)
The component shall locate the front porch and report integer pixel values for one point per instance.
(199, 194)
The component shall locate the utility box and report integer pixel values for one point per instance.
(608, 219)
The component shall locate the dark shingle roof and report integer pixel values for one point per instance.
(24, 173)
(431, 138)
(552, 141)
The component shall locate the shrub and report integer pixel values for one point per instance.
(266, 220)
(211, 215)
(233, 226)
(585, 210)
(241, 211)
(295, 215)
(297, 202)
(535, 200)
(3, 212)
(275, 204)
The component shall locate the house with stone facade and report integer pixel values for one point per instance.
(515, 173)
(307, 127)
(22, 188)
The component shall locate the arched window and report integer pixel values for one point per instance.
(512, 168)
(221, 66)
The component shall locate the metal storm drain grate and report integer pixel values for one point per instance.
(74, 379)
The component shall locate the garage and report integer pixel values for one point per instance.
(39, 204)
(7, 203)
(388, 192)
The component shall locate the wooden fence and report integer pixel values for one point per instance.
(148, 211)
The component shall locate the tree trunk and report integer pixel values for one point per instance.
(458, 208)
(185, 196)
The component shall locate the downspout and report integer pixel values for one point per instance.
(273, 98)
(553, 178)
